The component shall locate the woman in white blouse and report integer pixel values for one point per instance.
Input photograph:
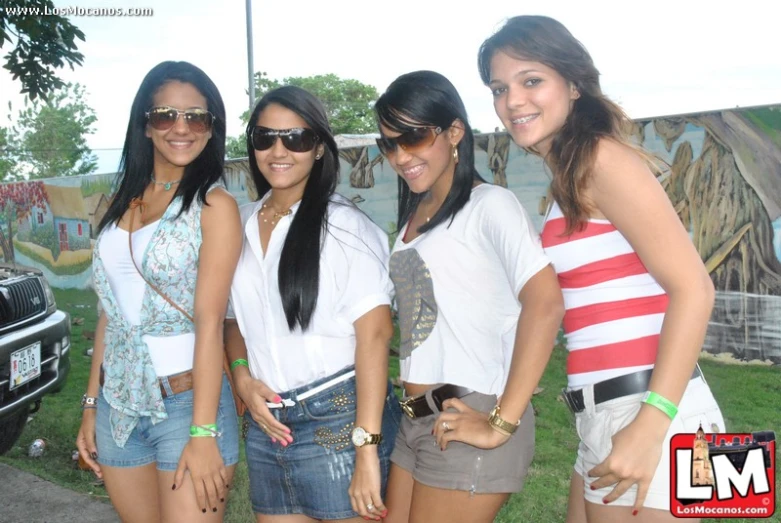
(309, 327)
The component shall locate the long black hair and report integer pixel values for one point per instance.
(137, 162)
(299, 265)
(424, 98)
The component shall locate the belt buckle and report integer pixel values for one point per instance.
(406, 407)
(570, 403)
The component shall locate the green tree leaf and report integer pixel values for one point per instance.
(41, 44)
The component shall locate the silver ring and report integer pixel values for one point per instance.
(370, 507)
(446, 426)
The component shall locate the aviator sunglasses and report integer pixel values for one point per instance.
(297, 140)
(164, 117)
(412, 141)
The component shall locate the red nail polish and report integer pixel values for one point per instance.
(592, 487)
(605, 501)
(277, 399)
(634, 512)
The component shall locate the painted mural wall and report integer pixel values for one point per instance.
(723, 177)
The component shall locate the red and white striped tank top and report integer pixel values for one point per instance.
(614, 307)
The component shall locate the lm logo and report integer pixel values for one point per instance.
(723, 475)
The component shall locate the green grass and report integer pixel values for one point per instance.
(749, 396)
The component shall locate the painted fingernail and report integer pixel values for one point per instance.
(173, 487)
(592, 487)
(204, 511)
(283, 442)
(277, 399)
(222, 499)
(605, 501)
(287, 430)
(384, 513)
(273, 440)
(214, 509)
(227, 486)
(634, 512)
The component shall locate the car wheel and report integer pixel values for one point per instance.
(10, 430)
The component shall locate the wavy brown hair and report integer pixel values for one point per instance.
(593, 116)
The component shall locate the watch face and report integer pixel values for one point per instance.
(359, 436)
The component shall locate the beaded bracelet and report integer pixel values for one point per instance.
(661, 403)
(239, 362)
(205, 431)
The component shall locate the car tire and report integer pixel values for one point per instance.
(10, 430)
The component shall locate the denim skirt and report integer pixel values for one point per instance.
(311, 476)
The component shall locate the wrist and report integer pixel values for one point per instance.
(653, 421)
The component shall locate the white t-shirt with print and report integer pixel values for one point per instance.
(457, 289)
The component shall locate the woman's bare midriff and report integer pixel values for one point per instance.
(415, 389)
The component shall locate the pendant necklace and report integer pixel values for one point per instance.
(166, 185)
(276, 215)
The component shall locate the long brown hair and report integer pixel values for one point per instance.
(593, 116)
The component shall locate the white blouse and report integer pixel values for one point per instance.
(354, 280)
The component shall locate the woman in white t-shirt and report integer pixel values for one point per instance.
(466, 259)
(309, 344)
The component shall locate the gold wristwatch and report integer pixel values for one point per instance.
(499, 424)
(361, 437)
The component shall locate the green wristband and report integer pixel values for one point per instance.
(661, 403)
(205, 431)
(239, 362)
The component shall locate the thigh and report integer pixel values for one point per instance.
(433, 505)
(181, 505)
(290, 518)
(133, 492)
(399, 495)
(576, 507)
(598, 513)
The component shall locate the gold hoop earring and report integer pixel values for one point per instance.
(455, 154)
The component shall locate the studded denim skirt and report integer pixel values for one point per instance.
(311, 476)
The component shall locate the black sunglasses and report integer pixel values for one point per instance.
(163, 118)
(298, 140)
(412, 141)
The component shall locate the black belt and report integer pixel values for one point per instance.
(613, 388)
(418, 407)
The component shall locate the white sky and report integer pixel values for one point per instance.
(657, 57)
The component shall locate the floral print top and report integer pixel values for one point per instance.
(170, 262)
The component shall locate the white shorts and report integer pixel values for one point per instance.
(596, 426)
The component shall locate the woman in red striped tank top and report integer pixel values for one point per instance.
(637, 295)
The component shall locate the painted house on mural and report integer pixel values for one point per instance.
(69, 218)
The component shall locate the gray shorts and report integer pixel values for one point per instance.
(462, 466)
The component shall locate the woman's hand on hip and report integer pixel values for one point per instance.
(255, 394)
(466, 425)
(637, 450)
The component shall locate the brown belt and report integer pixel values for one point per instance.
(181, 382)
(418, 406)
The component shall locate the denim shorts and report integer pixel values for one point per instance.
(598, 423)
(164, 442)
(311, 476)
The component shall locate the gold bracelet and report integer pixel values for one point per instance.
(501, 425)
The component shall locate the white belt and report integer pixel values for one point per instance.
(311, 392)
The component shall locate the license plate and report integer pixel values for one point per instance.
(25, 364)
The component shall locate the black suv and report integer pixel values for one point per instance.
(34, 347)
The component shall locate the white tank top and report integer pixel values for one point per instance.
(170, 354)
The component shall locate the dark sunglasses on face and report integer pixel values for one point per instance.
(412, 141)
(164, 117)
(297, 140)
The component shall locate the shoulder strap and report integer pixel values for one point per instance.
(134, 203)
